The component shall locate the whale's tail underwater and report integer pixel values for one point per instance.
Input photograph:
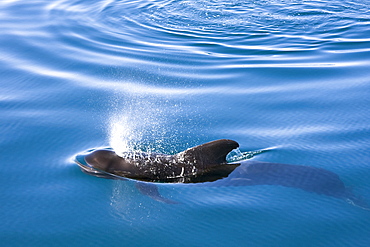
(205, 166)
(356, 200)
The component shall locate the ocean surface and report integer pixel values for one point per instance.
(291, 77)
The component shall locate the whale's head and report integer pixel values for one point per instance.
(97, 163)
(102, 160)
(107, 162)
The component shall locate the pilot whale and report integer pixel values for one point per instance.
(206, 166)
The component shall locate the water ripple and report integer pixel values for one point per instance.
(216, 28)
(182, 40)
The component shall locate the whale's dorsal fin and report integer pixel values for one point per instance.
(213, 153)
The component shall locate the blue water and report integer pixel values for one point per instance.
(164, 75)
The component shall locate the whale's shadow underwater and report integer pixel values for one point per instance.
(206, 166)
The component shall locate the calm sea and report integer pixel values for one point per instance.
(289, 76)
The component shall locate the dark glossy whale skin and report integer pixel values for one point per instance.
(202, 163)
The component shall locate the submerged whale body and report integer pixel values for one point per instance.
(205, 166)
